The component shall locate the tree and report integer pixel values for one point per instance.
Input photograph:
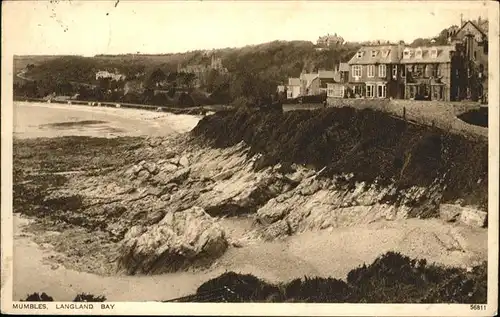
(156, 77)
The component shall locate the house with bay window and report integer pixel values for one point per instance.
(375, 72)
(433, 73)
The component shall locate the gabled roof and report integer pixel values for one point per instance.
(476, 27)
(379, 54)
(309, 77)
(443, 55)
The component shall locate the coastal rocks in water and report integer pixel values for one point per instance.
(181, 239)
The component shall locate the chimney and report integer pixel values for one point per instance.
(461, 19)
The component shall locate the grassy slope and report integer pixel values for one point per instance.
(370, 144)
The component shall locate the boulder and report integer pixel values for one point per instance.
(449, 212)
(151, 167)
(473, 217)
(276, 230)
(180, 240)
(143, 175)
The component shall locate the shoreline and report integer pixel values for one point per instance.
(330, 252)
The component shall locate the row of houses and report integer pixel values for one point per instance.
(451, 72)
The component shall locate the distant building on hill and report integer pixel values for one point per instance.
(116, 76)
(330, 40)
(201, 71)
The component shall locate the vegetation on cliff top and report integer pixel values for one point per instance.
(391, 278)
(370, 144)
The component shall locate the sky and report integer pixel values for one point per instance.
(156, 27)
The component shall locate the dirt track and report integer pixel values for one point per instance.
(325, 253)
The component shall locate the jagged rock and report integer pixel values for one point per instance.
(176, 177)
(473, 217)
(180, 239)
(312, 187)
(449, 213)
(169, 167)
(272, 213)
(223, 175)
(184, 161)
(154, 217)
(276, 230)
(143, 175)
(174, 160)
(151, 167)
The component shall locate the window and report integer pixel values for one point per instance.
(374, 53)
(371, 70)
(370, 91)
(474, 55)
(434, 53)
(359, 54)
(428, 70)
(395, 71)
(382, 71)
(419, 71)
(386, 53)
(381, 91)
(435, 72)
(418, 53)
(358, 91)
(406, 54)
(356, 70)
(403, 71)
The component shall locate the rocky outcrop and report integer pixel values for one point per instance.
(467, 215)
(161, 210)
(320, 203)
(179, 240)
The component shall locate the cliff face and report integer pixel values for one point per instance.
(136, 203)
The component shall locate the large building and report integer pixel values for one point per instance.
(456, 71)
(330, 40)
(375, 72)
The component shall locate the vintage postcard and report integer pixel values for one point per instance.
(277, 158)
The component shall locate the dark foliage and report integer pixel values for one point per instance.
(83, 297)
(237, 288)
(36, 297)
(368, 143)
(391, 278)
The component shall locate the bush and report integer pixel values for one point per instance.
(391, 278)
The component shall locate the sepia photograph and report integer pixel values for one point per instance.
(167, 153)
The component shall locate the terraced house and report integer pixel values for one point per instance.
(375, 72)
(432, 73)
(457, 71)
